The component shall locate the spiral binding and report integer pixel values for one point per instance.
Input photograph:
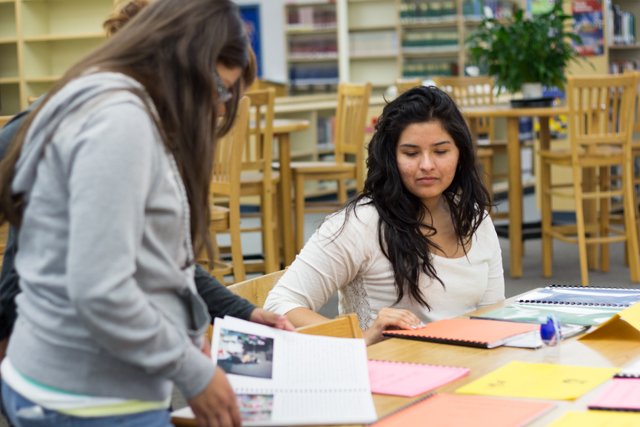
(591, 287)
(580, 303)
(415, 363)
(468, 343)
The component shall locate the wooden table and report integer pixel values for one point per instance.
(281, 131)
(605, 353)
(514, 169)
(601, 353)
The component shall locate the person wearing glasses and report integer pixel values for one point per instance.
(417, 244)
(108, 181)
(220, 301)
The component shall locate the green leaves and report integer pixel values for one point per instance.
(525, 50)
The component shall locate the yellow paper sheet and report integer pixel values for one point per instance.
(598, 419)
(539, 381)
(624, 326)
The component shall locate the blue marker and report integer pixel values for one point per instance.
(550, 330)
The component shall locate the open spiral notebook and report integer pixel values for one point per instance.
(287, 378)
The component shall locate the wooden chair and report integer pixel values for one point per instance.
(403, 85)
(4, 120)
(635, 148)
(600, 129)
(345, 326)
(256, 290)
(616, 215)
(225, 183)
(4, 234)
(351, 117)
(259, 180)
(477, 91)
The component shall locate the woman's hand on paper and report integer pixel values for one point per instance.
(216, 405)
(269, 318)
(390, 318)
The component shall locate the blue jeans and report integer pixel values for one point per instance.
(22, 412)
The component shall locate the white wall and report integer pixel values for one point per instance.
(272, 38)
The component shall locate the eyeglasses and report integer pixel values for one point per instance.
(224, 95)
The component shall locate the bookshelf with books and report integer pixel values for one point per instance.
(311, 45)
(40, 40)
(379, 41)
(374, 45)
(431, 37)
(622, 41)
(434, 32)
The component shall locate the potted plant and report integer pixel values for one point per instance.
(525, 50)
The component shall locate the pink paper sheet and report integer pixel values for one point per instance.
(621, 394)
(410, 379)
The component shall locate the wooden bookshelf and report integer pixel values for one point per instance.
(40, 40)
(311, 45)
(622, 39)
(379, 41)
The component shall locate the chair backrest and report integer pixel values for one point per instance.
(225, 179)
(470, 92)
(258, 151)
(256, 290)
(601, 109)
(343, 326)
(351, 119)
(636, 129)
(403, 85)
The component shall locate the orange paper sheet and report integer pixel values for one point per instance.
(444, 410)
(464, 331)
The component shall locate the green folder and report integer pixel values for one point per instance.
(570, 314)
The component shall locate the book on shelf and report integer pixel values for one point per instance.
(409, 378)
(464, 410)
(582, 295)
(279, 379)
(622, 26)
(482, 333)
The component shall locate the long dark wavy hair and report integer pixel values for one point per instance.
(172, 48)
(403, 235)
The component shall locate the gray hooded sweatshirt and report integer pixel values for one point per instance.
(107, 308)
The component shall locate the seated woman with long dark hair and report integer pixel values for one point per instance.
(417, 244)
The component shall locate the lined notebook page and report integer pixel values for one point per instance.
(410, 379)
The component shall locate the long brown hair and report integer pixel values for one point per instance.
(171, 47)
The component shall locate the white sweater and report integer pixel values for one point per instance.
(351, 262)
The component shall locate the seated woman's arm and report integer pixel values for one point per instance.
(303, 316)
(495, 288)
(331, 259)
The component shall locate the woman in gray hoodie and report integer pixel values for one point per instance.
(109, 178)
